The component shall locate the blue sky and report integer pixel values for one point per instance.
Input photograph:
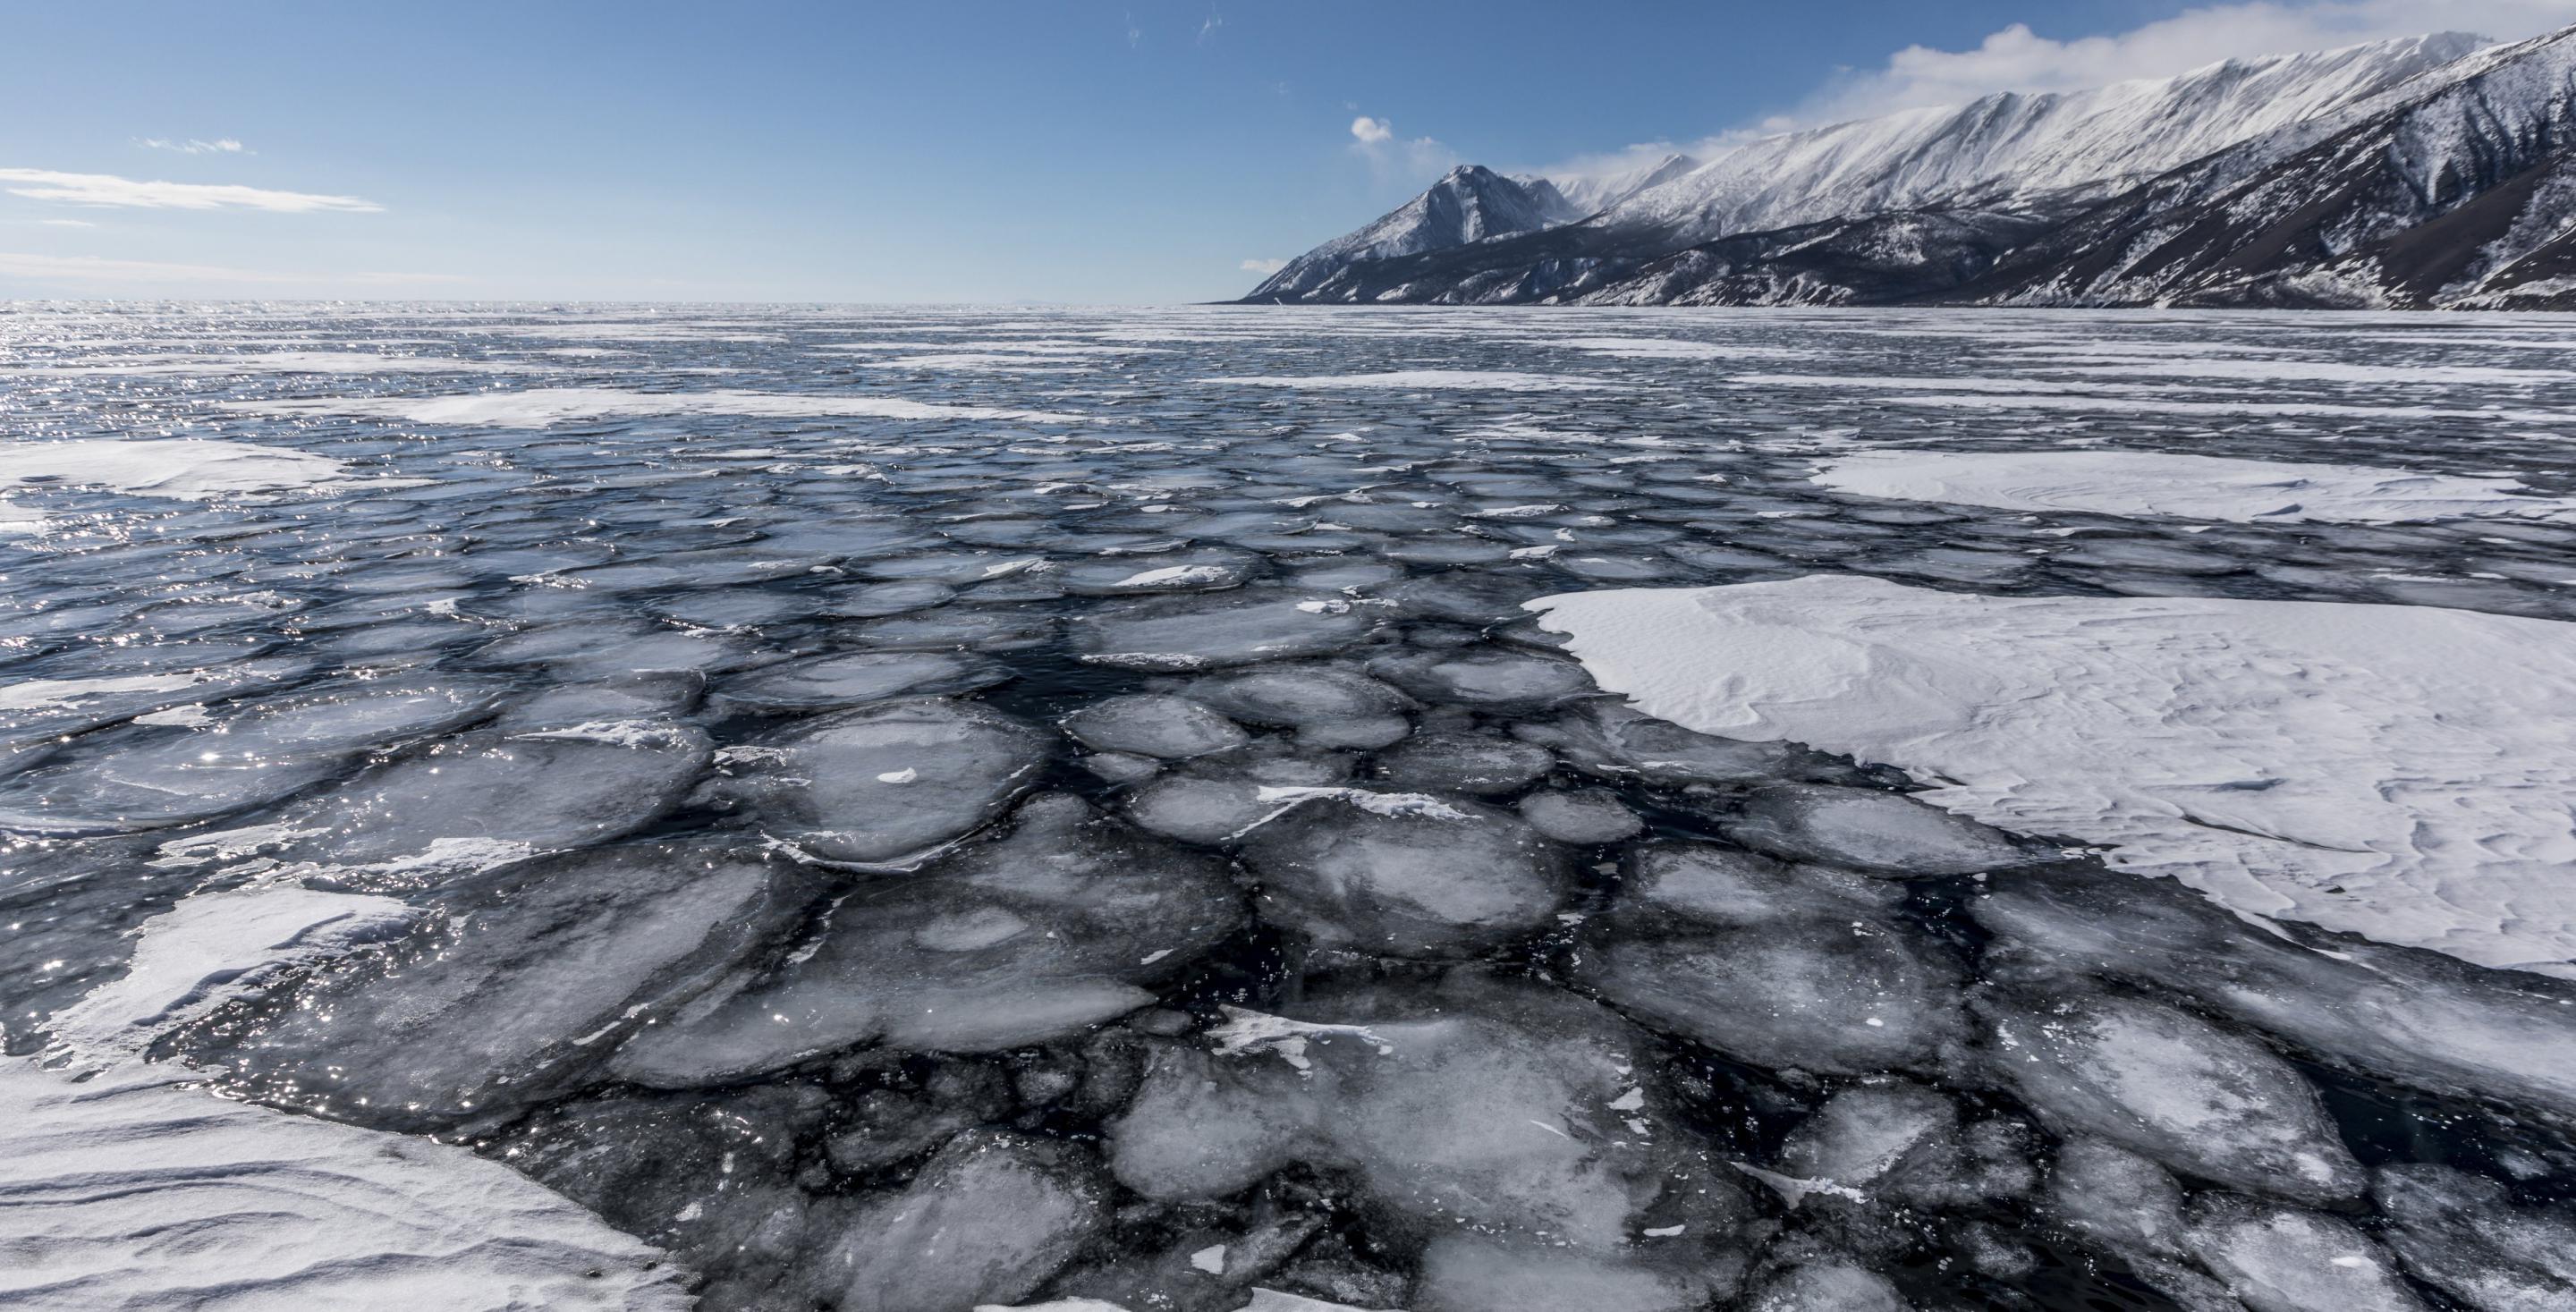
(1129, 152)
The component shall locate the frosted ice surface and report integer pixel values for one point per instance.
(1884, 832)
(1483, 1107)
(1464, 1274)
(1330, 706)
(2462, 1234)
(1502, 680)
(845, 679)
(987, 1221)
(1197, 809)
(1716, 885)
(493, 792)
(886, 785)
(1153, 725)
(1463, 763)
(155, 775)
(1413, 882)
(1847, 996)
(521, 988)
(2418, 1017)
(1189, 634)
(1584, 818)
(539, 407)
(2282, 1259)
(1863, 1132)
(1606, 739)
(1043, 933)
(2169, 1086)
(1828, 1288)
(2115, 1197)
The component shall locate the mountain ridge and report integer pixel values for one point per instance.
(2414, 173)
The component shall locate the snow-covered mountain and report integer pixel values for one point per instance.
(1593, 193)
(2009, 147)
(2424, 171)
(2462, 191)
(1470, 204)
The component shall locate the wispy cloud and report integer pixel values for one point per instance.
(1135, 34)
(1395, 160)
(1264, 266)
(192, 146)
(67, 223)
(108, 189)
(95, 269)
(1208, 29)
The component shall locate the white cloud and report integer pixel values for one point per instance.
(93, 269)
(192, 146)
(2018, 59)
(1264, 266)
(108, 189)
(67, 223)
(1396, 161)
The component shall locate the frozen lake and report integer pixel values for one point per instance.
(922, 810)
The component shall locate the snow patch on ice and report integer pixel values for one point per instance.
(184, 469)
(2398, 772)
(209, 948)
(1246, 1031)
(1375, 803)
(2191, 487)
(1170, 574)
(131, 1191)
(68, 694)
(1263, 1300)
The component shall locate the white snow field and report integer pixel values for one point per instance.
(2400, 772)
(132, 1191)
(2184, 486)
